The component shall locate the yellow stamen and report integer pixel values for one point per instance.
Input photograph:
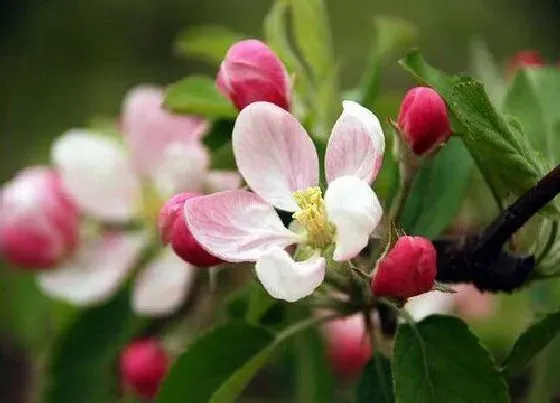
(313, 217)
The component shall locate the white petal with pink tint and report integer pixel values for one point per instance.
(236, 225)
(356, 145)
(431, 303)
(161, 287)
(183, 168)
(149, 128)
(218, 181)
(97, 174)
(284, 278)
(355, 211)
(94, 274)
(274, 154)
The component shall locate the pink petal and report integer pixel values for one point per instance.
(96, 271)
(286, 279)
(162, 286)
(97, 174)
(274, 154)
(355, 211)
(236, 225)
(218, 181)
(356, 145)
(149, 128)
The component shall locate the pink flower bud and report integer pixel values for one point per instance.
(423, 120)
(525, 59)
(39, 224)
(348, 345)
(251, 72)
(143, 366)
(408, 269)
(173, 228)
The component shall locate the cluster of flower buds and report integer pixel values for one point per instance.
(143, 366)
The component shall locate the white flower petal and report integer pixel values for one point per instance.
(236, 225)
(355, 211)
(274, 154)
(96, 271)
(163, 285)
(356, 145)
(218, 181)
(97, 174)
(431, 303)
(286, 279)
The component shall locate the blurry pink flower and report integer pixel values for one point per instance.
(38, 221)
(423, 120)
(525, 59)
(471, 303)
(348, 345)
(105, 181)
(143, 366)
(251, 72)
(279, 162)
(173, 228)
(407, 270)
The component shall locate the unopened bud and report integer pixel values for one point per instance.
(143, 366)
(348, 345)
(407, 270)
(423, 120)
(173, 229)
(251, 72)
(39, 224)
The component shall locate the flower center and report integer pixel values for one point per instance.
(313, 217)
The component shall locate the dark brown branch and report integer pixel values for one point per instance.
(481, 260)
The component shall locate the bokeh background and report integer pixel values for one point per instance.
(63, 62)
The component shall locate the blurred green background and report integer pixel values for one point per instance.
(63, 62)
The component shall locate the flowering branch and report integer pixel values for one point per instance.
(480, 260)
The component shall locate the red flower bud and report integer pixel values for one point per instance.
(143, 366)
(348, 345)
(525, 59)
(251, 72)
(423, 120)
(39, 224)
(173, 228)
(408, 269)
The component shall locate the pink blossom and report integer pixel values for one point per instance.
(38, 221)
(251, 72)
(279, 162)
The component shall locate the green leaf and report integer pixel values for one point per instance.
(198, 95)
(530, 343)
(485, 69)
(207, 42)
(376, 382)
(440, 360)
(254, 305)
(438, 191)
(83, 364)
(219, 134)
(312, 35)
(532, 98)
(217, 366)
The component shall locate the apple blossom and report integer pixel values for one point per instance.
(143, 366)
(423, 120)
(251, 72)
(38, 221)
(279, 163)
(407, 270)
(108, 183)
(525, 59)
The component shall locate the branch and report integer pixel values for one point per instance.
(480, 259)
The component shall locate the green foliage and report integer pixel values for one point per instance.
(438, 191)
(530, 343)
(217, 366)
(207, 42)
(485, 69)
(497, 143)
(376, 381)
(83, 364)
(198, 95)
(440, 360)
